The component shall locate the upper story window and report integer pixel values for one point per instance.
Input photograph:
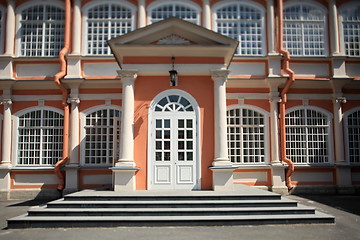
(308, 132)
(352, 132)
(247, 135)
(180, 9)
(105, 21)
(244, 22)
(40, 136)
(305, 29)
(41, 32)
(350, 19)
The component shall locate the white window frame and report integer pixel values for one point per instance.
(15, 135)
(301, 21)
(346, 128)
(266, 134)
(83, 133)
(2, 28)
(23, 7)
(250, 4)
(342, 10)
(185, 3)
(330, 146)
(93, 4)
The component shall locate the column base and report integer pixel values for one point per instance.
(278, 179)
(223, 178)
(124, 178)
(4, 180)
(71, 181)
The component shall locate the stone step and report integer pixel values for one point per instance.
(166, 203)
(43, 211)
(26, 221)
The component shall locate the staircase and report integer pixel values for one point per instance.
(248, 206)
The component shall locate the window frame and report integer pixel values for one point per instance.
(343, 8)
(85, 9)
(83, 116)
(346, 134)
(15, 134)
(20, 9)
(185, 3)
(266, 133)
(330, 142)
(251, 4)
(301, 21)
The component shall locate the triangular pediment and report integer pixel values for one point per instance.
(173, 37)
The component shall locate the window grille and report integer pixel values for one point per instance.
(42, 31)
(307, 136)
(244, 23)
(104, 22)
(99, 138)
(351, 30)
(174, 103)
(246, 136)
(40, 138)
(304, 30)
(353, 135)
(178, 10)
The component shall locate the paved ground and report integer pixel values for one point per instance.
(346, 210)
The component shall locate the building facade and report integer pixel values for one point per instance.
(166, 94)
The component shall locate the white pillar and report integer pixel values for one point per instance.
(206, 14)
(74, 130)
(10, 27)
(274, 134)
(126, 155)
(76, 44)
(6, 136)
(271, 26)
(334, 27)
(221, 149)
(141, 14)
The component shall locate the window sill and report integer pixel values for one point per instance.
(32, 168)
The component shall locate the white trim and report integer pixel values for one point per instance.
(88, 6)
(329, 116)
(151, 112)
(346, 6)
(325, 21)
(185, 3)
(15, 126)
(252, 4)
(82, 129)
(346, 133)
(266, 130)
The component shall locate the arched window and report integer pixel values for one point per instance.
(181, 9)
(41, 30)
(247, 135)
(308, 136)
(100, 133)
(39, 136)
(352, 132)
(350, 23)
(305, 29)
(105, 21)
(242, 21)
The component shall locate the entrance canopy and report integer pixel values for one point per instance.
(173, 37)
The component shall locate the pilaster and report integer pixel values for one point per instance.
(141, 13)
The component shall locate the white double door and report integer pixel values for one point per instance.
(173, 153)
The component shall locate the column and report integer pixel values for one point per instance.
(334, 27)
(274, 135)
(271, 26)
(76, 44)
(141, 14)
(6, 136)
(206, 14)
(222, 167)
(10, 28)
(124, 169)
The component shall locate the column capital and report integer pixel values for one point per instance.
(220, 74)
(74, 101)
(128, 74)
(6, 102)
